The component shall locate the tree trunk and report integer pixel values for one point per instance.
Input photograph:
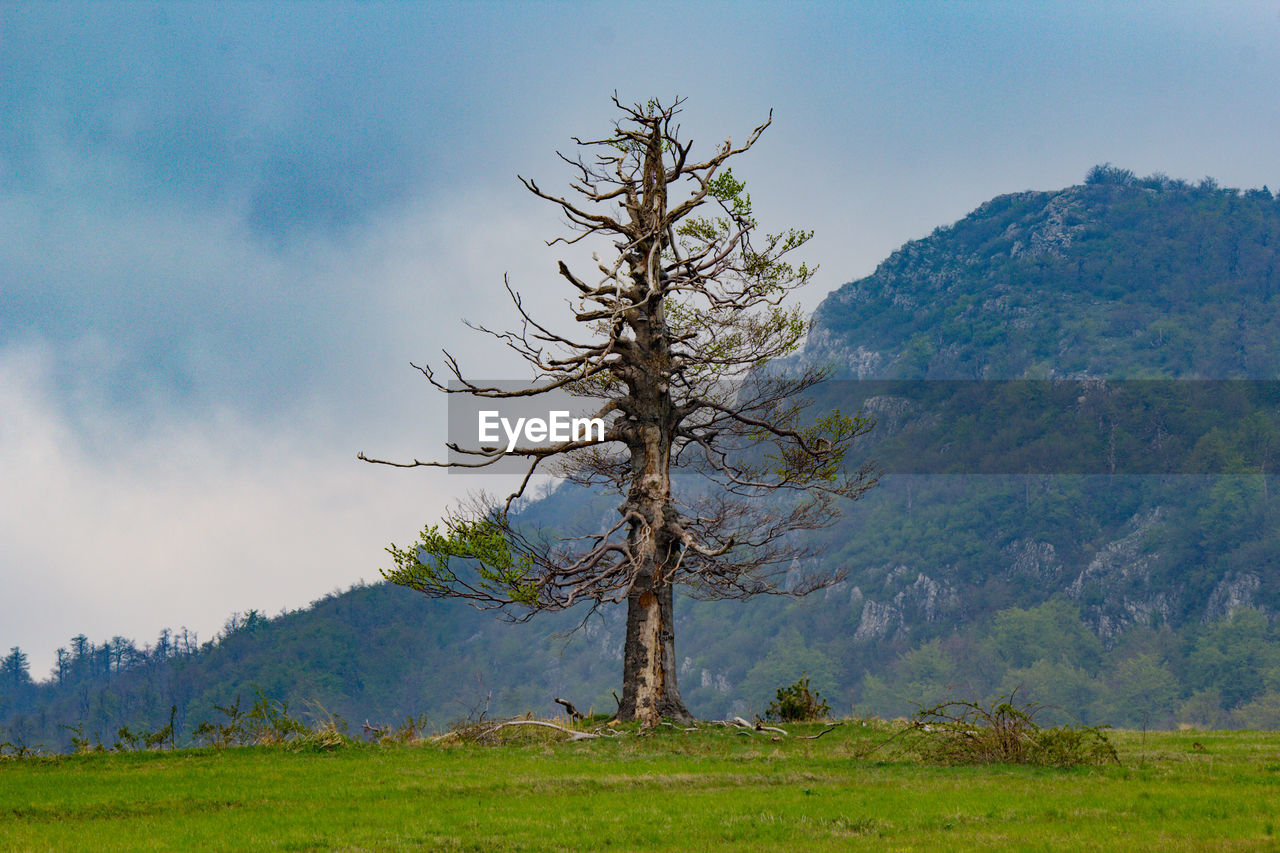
(671, 705)
(649, 689)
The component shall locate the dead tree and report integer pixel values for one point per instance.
(678, 322)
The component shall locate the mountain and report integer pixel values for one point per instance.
(1119, 277)
(1116, 279)
(1126, 599)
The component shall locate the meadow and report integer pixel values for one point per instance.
(715, 788)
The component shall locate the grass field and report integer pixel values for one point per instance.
(706, 790)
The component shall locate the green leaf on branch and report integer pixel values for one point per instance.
(500, 568)
(822, 455)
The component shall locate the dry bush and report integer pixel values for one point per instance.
(967, 732)
(268, 723)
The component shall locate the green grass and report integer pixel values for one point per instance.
(708, 790)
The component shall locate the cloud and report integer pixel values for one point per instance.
(238, 103)
(182, 402)
(179, 523)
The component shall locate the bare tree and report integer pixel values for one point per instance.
(678, 323)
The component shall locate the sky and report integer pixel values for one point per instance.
(227, 229)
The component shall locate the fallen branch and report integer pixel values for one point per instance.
(570, 732)
(866, 753)
(832, 727)
(755, 727)
(574, 713)
(738, 723)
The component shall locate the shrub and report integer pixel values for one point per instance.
(1105, 173)
(964, 732)
(797, 703)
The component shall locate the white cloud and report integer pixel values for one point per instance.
(136, 501)
(180, 523)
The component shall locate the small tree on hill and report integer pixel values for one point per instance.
(677, 322)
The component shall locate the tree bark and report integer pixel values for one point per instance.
(671, 705)
(649, 688)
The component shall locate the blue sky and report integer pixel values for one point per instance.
(225, 230)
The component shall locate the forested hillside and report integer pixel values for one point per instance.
(1119, 278)
(1125, 599)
